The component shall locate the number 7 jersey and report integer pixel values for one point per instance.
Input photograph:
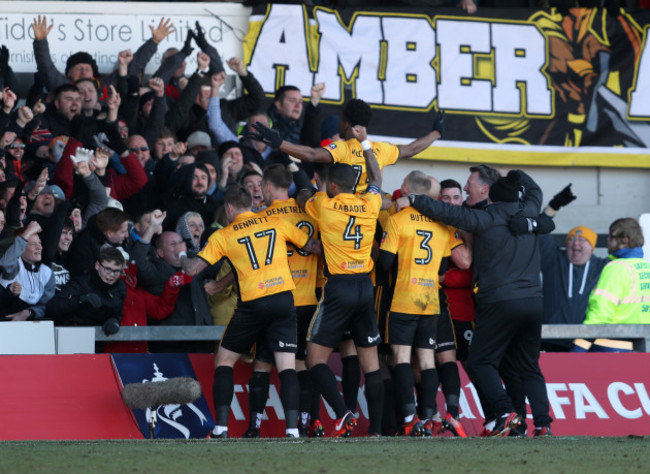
(256, 247)
(347, 225)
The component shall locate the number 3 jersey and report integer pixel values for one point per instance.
(420, 244)
(347, 225)
(255, 245)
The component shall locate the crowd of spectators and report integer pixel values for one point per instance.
(93, 162)
(104, 179)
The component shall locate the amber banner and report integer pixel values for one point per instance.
(518, 86)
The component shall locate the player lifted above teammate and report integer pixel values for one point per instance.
(347, 224)
(348, 150)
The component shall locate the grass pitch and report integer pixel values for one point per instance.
(273, 456)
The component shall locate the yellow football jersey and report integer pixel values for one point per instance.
(420, 244)
(255, 245)
(304, 266)
(347, 225)
(351, 153)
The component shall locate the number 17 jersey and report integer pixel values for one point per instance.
(256, 247)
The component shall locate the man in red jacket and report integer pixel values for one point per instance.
(140, 305)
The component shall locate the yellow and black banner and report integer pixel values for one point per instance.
(519, 86)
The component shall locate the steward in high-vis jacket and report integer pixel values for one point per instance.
(622, 294)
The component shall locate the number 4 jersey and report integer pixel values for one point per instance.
(347, 225)
(255, 245)
(420, 244)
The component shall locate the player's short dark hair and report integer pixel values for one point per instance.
(486, 174)
(419, 183)
(357, 112)
(450, 184)
(110, 254)
(322, 169)
(278, 175)
(110, 219)
(238, 197)
(279, 94)
(627, 227)
(343, 175)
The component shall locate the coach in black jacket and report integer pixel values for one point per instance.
(509, 299)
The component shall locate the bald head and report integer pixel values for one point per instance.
(416, 182)
(168, 247)
(434, 190)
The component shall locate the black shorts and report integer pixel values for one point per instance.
(446, 340)
(464, 331)
(412, 330)
(270, 320)
(305, 315)
(347, 303)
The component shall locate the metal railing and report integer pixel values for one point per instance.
(639, 334)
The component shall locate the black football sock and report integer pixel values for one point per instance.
(306, 391)
(418, 398)
(258, 394)
(429, 389)
(314, 410)
(223, 390)
(375, 398)
(289, 394)
(350, 381)
(403, 383)
(388, 419)
(450, 381)
(325, 383)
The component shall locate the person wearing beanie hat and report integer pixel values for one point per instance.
(210, 159)
(81, 65)
(232, 164)
(504, 190)
(509, 304)
(584, 232)
(198, 139)
(225, 146)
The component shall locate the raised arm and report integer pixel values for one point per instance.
(215, 121)
(303, 153)
(44, 64)
(145, 52)
(216, 65)
(372, 167)
(422, 143)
